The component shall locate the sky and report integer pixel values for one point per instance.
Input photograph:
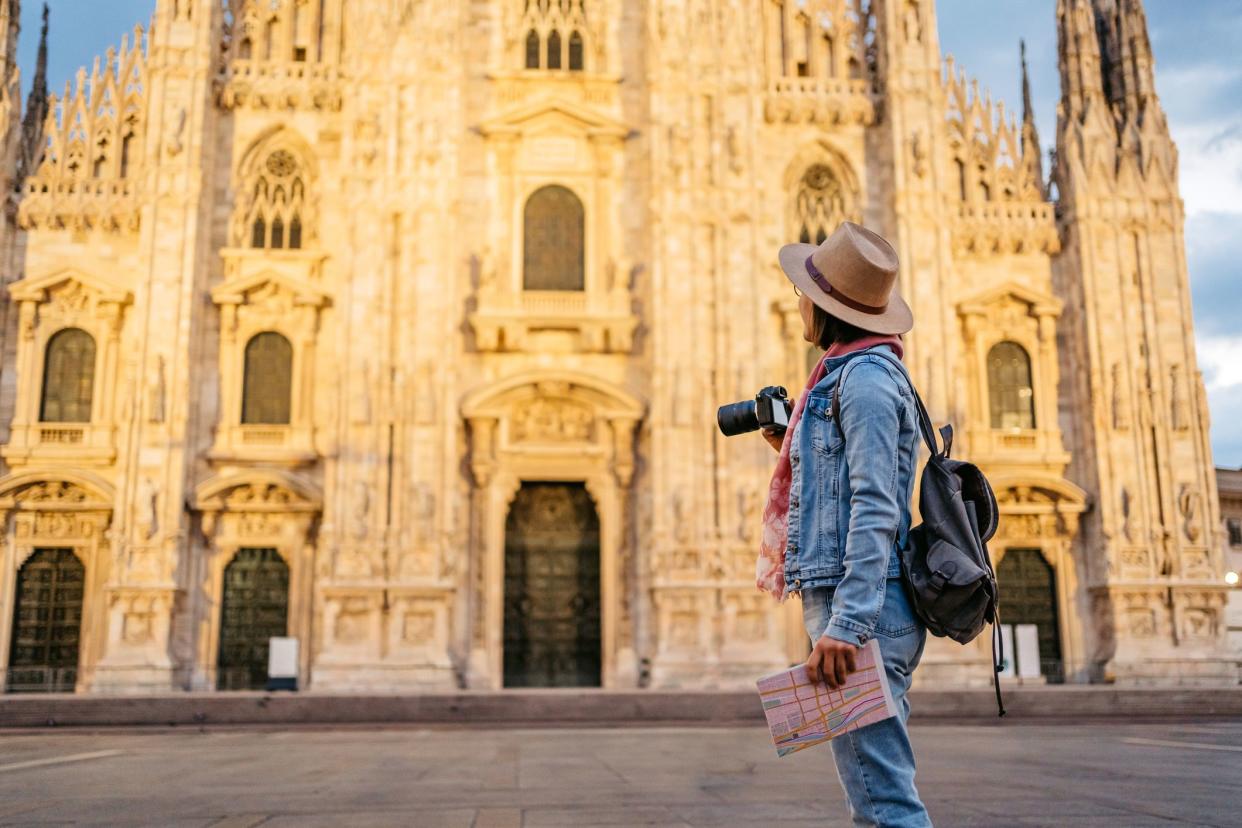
(1198, 76)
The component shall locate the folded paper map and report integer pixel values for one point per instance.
(802, 714)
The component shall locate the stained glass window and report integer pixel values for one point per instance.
(532, 49)
(555, 247)
(554, 50)
(575, 52)
(68, 378)
(1010, 394)
(267, 391)
(820, 204)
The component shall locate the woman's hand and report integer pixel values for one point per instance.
(831, 661)
(774, 438)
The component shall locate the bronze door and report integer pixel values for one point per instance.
(255, 608)
(552, 590)
(1029, 596)
(47, 621)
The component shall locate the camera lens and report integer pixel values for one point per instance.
(737, 418)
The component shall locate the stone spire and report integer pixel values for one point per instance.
(1137, 65)
(1031, 150)
(10, 27)
(36, 108)
(1078, 46)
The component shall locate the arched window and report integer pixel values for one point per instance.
(575, 52)
(68, 378)
(277, 203)
(267, 387)
(532, 49)
(554, 50)
(127, 148)
(820, 204)
(1010, 395)
(554, 243)
(556, 35)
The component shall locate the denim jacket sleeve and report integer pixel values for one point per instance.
(871, 409)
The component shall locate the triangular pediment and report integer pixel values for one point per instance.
(38, 288)
(245, 289)
(1039, 304)
(552, 114)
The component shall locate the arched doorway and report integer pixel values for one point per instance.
(1028, 594)
(47, 623)
(552, 634)
(254, 609)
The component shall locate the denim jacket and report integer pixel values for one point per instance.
(849, 502)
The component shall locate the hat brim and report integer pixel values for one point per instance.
(896, 318)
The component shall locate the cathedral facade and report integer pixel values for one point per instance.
(399, 328)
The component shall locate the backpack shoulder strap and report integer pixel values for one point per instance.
(926, 428)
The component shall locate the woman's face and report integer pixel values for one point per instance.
(807, 309)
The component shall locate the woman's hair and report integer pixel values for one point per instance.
(827, 330)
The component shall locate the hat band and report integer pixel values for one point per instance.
(826, 286)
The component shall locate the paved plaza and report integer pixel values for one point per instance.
(999, 775)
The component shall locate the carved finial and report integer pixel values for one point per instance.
(1032, 155)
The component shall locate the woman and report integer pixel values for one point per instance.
(838, 510)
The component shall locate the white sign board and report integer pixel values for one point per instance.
(282, 658)
(1027, 638)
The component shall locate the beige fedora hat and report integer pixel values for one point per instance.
(853, 276)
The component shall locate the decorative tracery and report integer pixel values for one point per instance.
(824, 39)
(276, 212)
(556, 32)
(820, 204)
(275, 30)
(82, 174)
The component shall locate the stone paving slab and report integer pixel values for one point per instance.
(578, 707)
(1117, 774)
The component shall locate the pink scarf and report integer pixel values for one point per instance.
(770, 568)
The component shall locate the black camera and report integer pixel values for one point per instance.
(769, 409)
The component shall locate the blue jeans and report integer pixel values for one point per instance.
(876, 763)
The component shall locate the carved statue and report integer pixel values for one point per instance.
(1126, 529)
(148, 508)
(918, 151)
(176, 141)
(913, 22)
(487, 271)
(1188, 504)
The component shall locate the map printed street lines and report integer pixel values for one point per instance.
(802, 713)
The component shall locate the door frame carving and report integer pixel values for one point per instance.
(266, 510)
(65, 510)
(1043, 514)
(598, 454)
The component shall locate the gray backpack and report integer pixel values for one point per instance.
(945, 566)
